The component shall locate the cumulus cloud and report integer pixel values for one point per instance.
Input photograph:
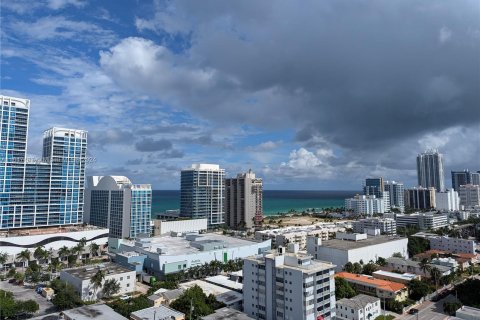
(444, 35)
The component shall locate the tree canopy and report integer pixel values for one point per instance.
(343, 289)
(194, 298)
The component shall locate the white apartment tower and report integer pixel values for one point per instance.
(430, 170)
(368, 205)
(243, 201)
(447, 200)
(289, 285)
(396, 192)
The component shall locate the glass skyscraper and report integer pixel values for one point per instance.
(39, 192)
(430, 170)
(202, 193)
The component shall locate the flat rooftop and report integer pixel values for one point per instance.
(402, 276)
(224, 295)
(170, 245)
(95, 311)
(34, 231)
(316, 265)
(469, 311)
(224, 281)
(227, 314)
(370, 241)
(360, 301)
(160, 312)
(89, 271)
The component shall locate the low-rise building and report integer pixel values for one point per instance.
(423, 221)
(165, 297)
(162, 227)
(453, 245)
(80, 278)
(410, 266)
(340, 251)
(375, 287)
(231, 298)
(160, 312)
(468, 313)
(395, 277)
(386, 226)
(360, 307)
(227, 314)
(366, 204)
(446, 262)
(95, 311)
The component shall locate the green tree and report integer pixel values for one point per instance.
(424, 265)
(7, 305)
(417, 245)
(94, 249)
(397, 255)
(194, 297)
(125, 308)
(418, 289)
(381, 261)
(28, 306)
(357, 268)
(24, 256)
(343, 289)
(96, 280)
(369, 268)
(435, 275)
(451, 307)
(3, 260)
(467, 292)
(41, 254)
(348, 267)
(63, 252)
(111, 287)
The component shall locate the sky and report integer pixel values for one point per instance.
(314, 95)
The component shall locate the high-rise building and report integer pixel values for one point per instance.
(374, 187)
(244, 200)
(39, 192)
(368, 205)
(202, 193)
(447, 200)
(420, 198)
(115, 203)
(469, 195)
(288, 285)
(460, 178)
(475, 178)
(396, 192)
(430, 170)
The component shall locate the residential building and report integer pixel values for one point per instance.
(80, 278)
(88, 312)
(164, 296)
(283, 236)
(469, 195)
(446, 262)
(447, 200)
(39, 192)
(404, 278)
(360, 307)
(423, 221)
(396, 193)
(430, 170)
(382, 289)
(420, 198)
(386, 225)
(244, 201)
(227, 314)
(160, 312)
(231, 298)
(162, 227)
(410, 266)
(367, 205)
(288, 285)
(170, 254)
(467, 313)
(475, 178)
(115, 203)
(374, 187)
(453, 245)
(340, 251)
(461, 178)
(202, 193)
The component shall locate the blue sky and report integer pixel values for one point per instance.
(313, 97)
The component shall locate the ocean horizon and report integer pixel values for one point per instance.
(274, 201)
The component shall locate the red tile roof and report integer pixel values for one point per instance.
(368, 280)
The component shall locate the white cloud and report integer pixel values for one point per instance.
(444, 35)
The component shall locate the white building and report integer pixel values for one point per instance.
(339, 252)
(404, 278)
(288, 285)
(469, 195)
(410, 266)
(453, 245)
(159, 312)
(362, 204)
(447, 200)
(360, 307)
(423, 221)
(80, 278)
(396, 192)
(114, 202)
(227, 314)
(430, 170)
(161, 227)
(446, 262)
(386, 226)
(243, 201)
(231, 298)
(467, 313)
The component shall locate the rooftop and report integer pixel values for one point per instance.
(160, 312)
(469, 311)
(368, 280)
(370, 241)
(95, 311)
(224, 281)
(46, 230)
(88, 272)
(415, 264)
(358, 302)
(314, 265)
(171, 245)
(402, 276)
(224, 295)
(227, 314)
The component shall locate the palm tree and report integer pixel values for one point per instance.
(424, 265)
(55, 265)
(3, 260)
(97, 280)
(435, 274)
(24, 256)
(111, 287)
(94, 249)
(63, 252)
(41, 254)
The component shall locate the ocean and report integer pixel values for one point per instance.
(274, 201)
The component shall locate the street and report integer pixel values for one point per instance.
(429, 310)
(22, 293)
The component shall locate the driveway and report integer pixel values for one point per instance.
(23, 293)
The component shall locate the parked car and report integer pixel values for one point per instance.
(413, 311)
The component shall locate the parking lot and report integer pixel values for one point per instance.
(23, 293)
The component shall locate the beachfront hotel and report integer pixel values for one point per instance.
(202, 193)
(114, 202)
(39, 192)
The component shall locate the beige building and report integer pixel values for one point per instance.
(243, 201)
(469, 195)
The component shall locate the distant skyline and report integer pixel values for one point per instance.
(312, 97)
